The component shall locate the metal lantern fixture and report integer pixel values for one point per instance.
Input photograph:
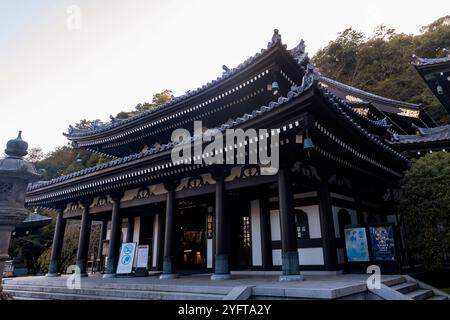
(15, 174)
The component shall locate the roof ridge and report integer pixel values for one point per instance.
(74, 132)
(327, 93)
(308, 80)
(367, 94)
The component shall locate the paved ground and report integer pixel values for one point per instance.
(314, 286)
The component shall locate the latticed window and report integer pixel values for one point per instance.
(246, 231)
(6, 188)
(301, 224)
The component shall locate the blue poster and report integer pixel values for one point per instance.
(356, 244)
(382, 241)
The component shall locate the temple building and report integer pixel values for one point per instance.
(342, 154)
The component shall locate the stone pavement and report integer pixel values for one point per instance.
(197, 286)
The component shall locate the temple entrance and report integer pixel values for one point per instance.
(191, 227)
(240, 253)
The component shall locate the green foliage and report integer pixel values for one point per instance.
(70, 247)
(157, 100)
(425, 206)
(382, 63)
(64, 160)
(30, 247)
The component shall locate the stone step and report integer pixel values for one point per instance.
(419, 294)
(31, 295)
(129, 294)
(223, 290)
(394, 281)
(437, 298)
(405, 287)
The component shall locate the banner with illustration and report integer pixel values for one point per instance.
(356, 244)
(382, 242)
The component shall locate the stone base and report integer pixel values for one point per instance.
(167, 276)
(109, 275)
(226, 276)
(291, 277)
(52, 275)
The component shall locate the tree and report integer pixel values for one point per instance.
(86, 124)
(382, 63)
(425, 207)
(70, 247)
(64, 160)
(35, 155)
(157, 100)
(31, 246)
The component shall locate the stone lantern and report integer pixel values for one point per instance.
(15, 174)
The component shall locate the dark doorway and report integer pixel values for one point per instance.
(240, 253)
(191, 236)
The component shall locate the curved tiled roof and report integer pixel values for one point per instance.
(424, 135)
(309, 80)
(97, 129)
(170, 145)
(382, 123)
(366, 96)
(430, 61)
(340, 109)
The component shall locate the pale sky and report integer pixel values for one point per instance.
(125, 51)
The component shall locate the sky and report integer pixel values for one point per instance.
(66, 60)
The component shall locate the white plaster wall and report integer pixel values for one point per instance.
(155, 238)
(137, 229)
(209, 253)
(310, 256)
(276, 257)
(275, 229)
(313, 220)
(124, 234)
(307, 256)
(255, 232)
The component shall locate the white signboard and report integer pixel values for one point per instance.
(126, 258)
(142, 256)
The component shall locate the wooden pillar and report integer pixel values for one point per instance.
(289, 252)
(83, 242)
(358, 203)
(58, 238)
(130, 229)
(327, 225)
(266, 237)
(114, 239)
(169, 271)
(221, 265)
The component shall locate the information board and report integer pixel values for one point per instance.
(126, 258)
(142, 256)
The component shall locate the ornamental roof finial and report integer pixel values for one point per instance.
(276, 38)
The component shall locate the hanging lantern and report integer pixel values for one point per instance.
(308, 144)
(275, 87)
